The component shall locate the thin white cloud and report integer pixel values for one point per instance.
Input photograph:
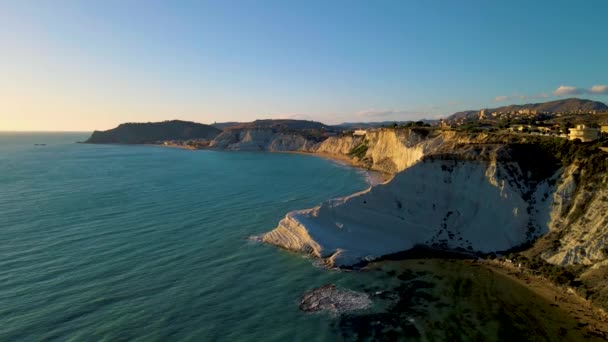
(561, 91)
(567, 90)
(599, 89)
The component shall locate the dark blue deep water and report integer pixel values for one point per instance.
(102, 242)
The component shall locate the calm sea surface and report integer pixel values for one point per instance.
(141, 242)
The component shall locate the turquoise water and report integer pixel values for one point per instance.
(146, 243)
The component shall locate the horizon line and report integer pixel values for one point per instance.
(41, 131)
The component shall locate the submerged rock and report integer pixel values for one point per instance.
(330, 298)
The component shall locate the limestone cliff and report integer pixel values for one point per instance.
(392, 151)
(451, 190)
(579, 219)
(471, 201)
(262, 139)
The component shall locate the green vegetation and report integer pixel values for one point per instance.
(359, 151)
(470, 127)
(415, 124)
(569, 151)
(560, 275)
(422, 131)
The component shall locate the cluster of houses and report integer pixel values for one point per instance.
(516, 114)
(582, 132)
(528, 114)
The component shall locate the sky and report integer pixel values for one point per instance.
(86, 65)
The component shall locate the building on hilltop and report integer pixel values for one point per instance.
(584, 133)
(359, 132)
(444, 124)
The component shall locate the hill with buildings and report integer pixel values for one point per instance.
(571, 105)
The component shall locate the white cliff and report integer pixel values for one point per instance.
(449, 191)
(580, 220)
(444, 203)
(392, 151)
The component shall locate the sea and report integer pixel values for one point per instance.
(147, 243)
(118, 242)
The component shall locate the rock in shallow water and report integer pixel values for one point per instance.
(331, 299)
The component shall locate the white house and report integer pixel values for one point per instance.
(584, 133)
(359, 132)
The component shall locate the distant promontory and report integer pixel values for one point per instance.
(152, 132)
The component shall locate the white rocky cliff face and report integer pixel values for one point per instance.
(439, 203)
(579, 219)
(451, 192)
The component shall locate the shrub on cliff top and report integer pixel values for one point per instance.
(561, 275)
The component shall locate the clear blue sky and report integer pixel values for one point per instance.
(83, 65)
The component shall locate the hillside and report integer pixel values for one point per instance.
(365, 125)
(559, 106)
(151, 132)
(571, 105)
(279, 124)
(272, 135)
(223, 125)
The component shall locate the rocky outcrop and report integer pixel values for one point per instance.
(333, 300)
(261, 139)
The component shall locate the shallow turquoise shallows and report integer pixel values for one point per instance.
(101, 242)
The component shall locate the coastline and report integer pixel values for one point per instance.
(590, 318)
(179, 147)
(374, 177)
